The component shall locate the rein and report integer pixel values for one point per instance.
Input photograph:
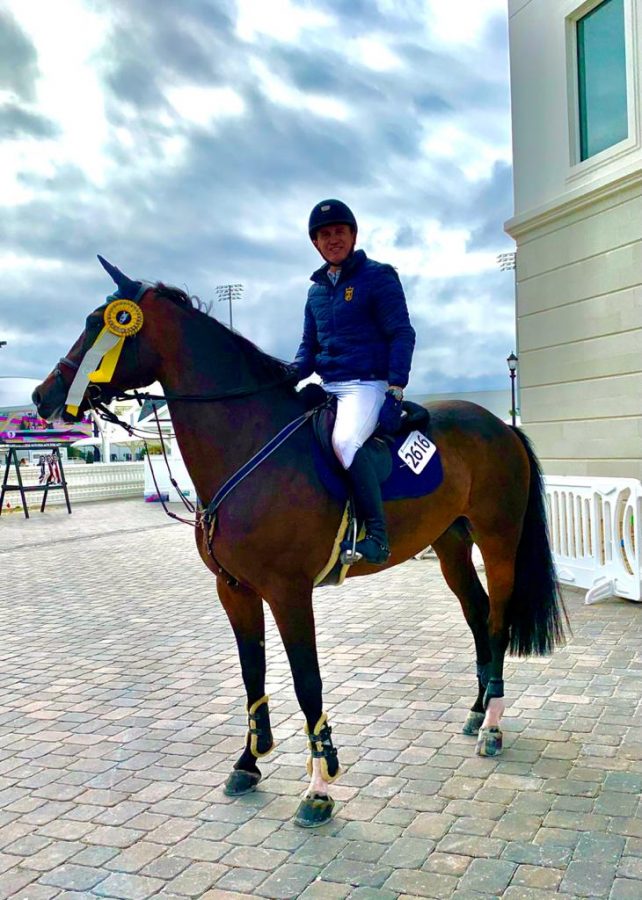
(224, 395)
(206, 518)
(107, 415)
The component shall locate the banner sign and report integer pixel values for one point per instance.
(26, 428)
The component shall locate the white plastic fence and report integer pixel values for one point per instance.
(596, 534)
(161, 474)
(100, 481)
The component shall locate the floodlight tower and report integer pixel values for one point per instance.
(229, 292)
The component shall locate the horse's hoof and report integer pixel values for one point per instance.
(474, 721)
(489, 741)
(240, 782)
(314, 810)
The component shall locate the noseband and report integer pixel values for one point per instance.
(65, 361)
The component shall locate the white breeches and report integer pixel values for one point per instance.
(358, 406)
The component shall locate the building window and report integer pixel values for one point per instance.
(601, 64)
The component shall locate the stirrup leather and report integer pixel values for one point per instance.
(322, 748)
(259, 729)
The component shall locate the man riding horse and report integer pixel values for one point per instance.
(357, 336)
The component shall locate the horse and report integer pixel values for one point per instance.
(272, 533)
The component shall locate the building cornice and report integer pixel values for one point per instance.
(572, 202)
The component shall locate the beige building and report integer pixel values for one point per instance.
(577, 122)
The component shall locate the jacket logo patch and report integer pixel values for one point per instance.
(348, 294)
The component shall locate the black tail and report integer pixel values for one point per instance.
(537, 611)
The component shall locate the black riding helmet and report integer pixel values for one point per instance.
(330, 212)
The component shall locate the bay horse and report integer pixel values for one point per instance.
(274, 532)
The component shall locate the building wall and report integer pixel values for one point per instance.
(578, 228)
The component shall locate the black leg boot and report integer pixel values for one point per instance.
(366, 491)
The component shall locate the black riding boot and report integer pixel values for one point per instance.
(366, 491)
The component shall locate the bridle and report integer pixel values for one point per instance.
(65, 361)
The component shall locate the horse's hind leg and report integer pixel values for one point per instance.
(499, 554)
(244, 609)
(454, 550)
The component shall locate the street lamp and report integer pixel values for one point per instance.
(3, 343)
(229, 292)
(512, 370)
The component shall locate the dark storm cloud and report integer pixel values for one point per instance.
(18, 58)
(17, 122)
(431, 103)
(206, 216)
(152, 44)
(281, 147)
(495, 202)
(496, 38)
(131, 80)
(49, 230)
(359, 16)
(443, 328)
(407, 236)
(324, 73)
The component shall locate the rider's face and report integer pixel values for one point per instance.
(334, 242)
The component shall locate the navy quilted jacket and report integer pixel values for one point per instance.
(358, 329)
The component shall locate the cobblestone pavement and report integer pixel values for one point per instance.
(121, 713)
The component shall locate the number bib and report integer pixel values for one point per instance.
(416, 451)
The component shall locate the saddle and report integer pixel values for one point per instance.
(396, 477)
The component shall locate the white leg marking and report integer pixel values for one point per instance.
(317, 783)
(494, 712)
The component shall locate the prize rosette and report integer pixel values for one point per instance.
(124, 318)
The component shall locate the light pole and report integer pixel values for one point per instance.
(512, 370)
(229, 292)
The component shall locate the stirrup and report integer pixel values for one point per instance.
(349, 555)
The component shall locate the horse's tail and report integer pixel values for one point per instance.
(538, 615)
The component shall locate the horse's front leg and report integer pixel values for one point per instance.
(244, 609)
(295, 621)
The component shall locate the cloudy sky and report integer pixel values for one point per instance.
(187, 142)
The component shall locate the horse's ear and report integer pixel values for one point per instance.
(126, 287)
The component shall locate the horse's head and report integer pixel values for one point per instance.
(107, 358)
(146, 333)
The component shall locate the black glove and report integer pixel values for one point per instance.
(390, 415)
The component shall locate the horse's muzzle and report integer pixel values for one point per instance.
(49, 397)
